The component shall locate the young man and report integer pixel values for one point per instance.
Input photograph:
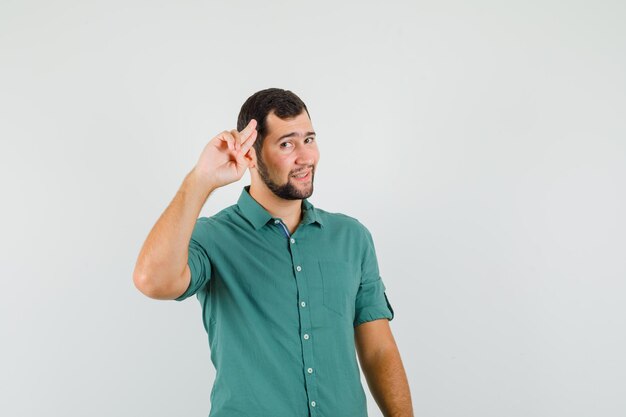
(288, 291)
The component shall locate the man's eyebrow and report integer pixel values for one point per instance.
(292, 134)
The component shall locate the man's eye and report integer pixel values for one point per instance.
(311, 139)
(284, 144)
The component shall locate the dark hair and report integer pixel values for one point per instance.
(283, 103)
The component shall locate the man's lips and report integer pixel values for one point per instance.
(302, 175)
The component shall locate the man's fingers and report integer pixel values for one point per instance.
(228, 137)
(247, 144)
(235, 139)
(244, 135)
(247, 131)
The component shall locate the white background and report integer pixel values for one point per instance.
(483, 144)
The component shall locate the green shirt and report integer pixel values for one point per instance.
(280, 310)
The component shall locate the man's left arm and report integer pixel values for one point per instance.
(382, 366)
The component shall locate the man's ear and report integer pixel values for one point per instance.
(250, 157)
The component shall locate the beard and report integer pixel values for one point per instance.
(287, 191)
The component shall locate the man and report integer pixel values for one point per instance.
(288, 291)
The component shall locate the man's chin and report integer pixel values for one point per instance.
(304, 191)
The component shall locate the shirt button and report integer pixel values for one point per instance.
(312, 403)
(293, 240)
(303, 304)
(306, 336)
(298, 268)
(310, 370)
(276, 221)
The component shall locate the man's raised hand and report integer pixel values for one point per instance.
(225, 158)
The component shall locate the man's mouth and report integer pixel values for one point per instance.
(302, 176)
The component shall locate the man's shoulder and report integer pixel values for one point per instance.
(335, 219)
(335, 216)
(223, 217)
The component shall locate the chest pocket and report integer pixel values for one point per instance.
(340, 281)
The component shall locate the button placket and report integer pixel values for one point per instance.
(306, 341)
(283, 227)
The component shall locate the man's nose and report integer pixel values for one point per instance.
(306, 155)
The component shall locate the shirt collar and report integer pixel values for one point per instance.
(258, 216)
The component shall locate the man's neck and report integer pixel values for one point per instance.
(290, 211)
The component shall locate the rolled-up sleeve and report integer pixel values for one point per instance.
(198, 260)
(371, 300)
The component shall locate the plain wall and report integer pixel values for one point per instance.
(482, 143)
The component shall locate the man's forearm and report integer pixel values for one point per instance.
(388, 383)
(163, 256)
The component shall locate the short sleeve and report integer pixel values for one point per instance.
(371, 300)
(198, 260)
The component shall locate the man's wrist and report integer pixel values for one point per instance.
(197, 187)
(200, 182)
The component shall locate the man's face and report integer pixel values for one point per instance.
(289, 157)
